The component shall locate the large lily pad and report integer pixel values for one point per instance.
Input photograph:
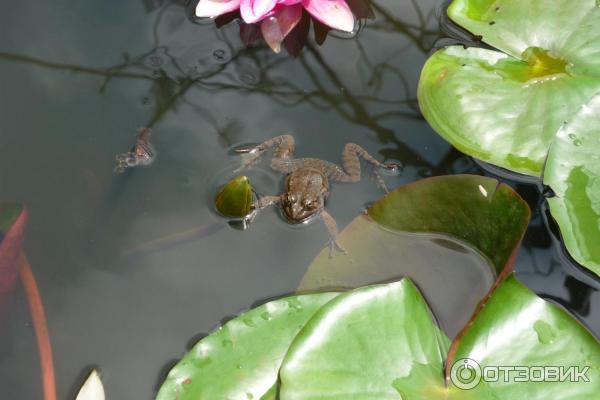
(508, 108)
(452, 235)
(242, 358)
(566, 28)
(498, 108)
(573, 171)
(380, 342)
(517, 328)
(358, 346)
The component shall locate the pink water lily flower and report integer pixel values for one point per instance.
(277, 18)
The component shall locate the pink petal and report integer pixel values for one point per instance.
(289, 2)
(276, 27)
(255, 10)
(214, 8)
(333, 13)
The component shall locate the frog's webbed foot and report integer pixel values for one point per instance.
(124, 161)
(392, 167)
(388, 168)
(334, 245)
(333, 233)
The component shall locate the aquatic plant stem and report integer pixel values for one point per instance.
(38, 316)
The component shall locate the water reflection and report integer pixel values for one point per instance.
(173, 75)
(132, 266)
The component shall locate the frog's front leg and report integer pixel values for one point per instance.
(333, 233)
(284, 151)
(262, 203)
(266, 201)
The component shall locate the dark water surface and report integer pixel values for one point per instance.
(76, 81)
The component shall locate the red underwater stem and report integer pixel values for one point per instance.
(41, 328)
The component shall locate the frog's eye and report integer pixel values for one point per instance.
(309, 204)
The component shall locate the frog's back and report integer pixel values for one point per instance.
(307, 178)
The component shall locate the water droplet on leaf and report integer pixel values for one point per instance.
(544, 331)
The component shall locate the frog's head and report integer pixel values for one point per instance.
(300, 207)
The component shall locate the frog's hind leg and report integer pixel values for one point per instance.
(351, 161)
(284, 151)
(333, 233)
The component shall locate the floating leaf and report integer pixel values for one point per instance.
(516, 328)
(359, 344)
(566, 28)
(380, 342)
(573, 171)
(498, 108)
(509, 109)
(92, 388)
(241, 359)
(234, 200)
(481, 211)
(452, 235)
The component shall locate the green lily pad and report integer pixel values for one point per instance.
(358, 346)
(235, 199)
(509, 108)
(499, 108)
(518, 329)
(453, 235)
(566, 28)
(242, 358)
(573, 171)
(380, 342)
(481, 211)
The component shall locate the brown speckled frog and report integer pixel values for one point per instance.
(307, 180)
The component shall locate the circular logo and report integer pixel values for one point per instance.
(465, 373)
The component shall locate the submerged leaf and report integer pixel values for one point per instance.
(452, 235)
(481, 211)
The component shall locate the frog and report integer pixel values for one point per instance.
(141, 154)
(307, 180)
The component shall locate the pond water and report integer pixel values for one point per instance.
(134, 267)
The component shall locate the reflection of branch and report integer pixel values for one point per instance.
(108, 72)
(389, 23)
(359, 115)
(170, 88)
